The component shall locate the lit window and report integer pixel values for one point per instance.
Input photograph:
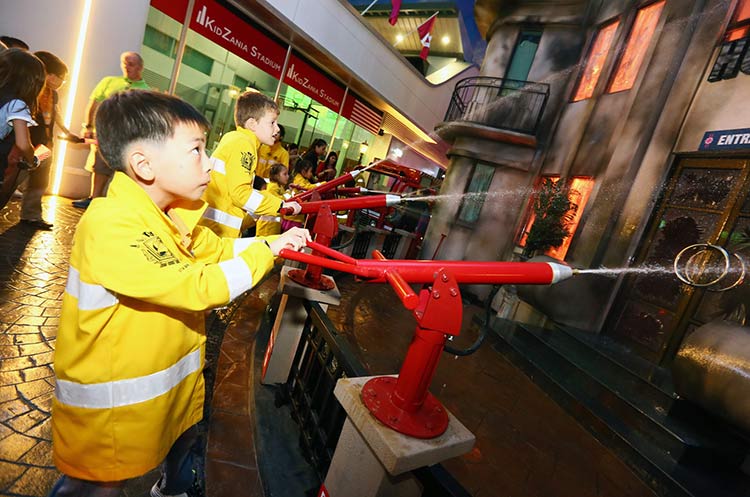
(595, 62)
(636, 47)
(579, 191)
(740, 25)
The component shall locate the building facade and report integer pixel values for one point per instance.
(644, 121)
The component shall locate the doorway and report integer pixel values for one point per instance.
(705, 201)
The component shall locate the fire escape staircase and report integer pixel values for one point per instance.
(674, 446)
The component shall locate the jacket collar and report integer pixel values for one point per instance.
(250, 136)
(181, 218)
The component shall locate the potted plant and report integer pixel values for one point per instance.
(553, 213)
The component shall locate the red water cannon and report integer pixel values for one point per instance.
(345, 204)
(327, 186)
(404, 403)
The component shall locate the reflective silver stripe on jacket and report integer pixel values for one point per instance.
(127, 392)
(270, 219)
(90, 297)
(241, 244)
(253, 202)
(222, 217)
(238, 276)
(218, 165)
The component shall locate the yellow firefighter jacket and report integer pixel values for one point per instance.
(271, 225)
(230, 195)
(268, 156)
(131, 343)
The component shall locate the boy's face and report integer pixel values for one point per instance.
(264, 128)
(181, 166)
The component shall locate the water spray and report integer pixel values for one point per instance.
(708, 266)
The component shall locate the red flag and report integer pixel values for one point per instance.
(424, 35)
(395, 8)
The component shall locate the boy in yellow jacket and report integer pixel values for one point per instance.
(131, 343)
(230, 196)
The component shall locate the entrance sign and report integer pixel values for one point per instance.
(726, 139)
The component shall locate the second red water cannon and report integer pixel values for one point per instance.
(345, 204)
(327, 186)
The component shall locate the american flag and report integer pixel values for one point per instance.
(362, 115)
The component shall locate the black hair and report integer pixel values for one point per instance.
(331, 154)
(52, 64)
(282, 131)
(136, 115)
(12, 42)
(22, 76)
(302, 166)
(318, 142)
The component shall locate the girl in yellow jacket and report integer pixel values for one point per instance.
(279, 178)
(302, 177)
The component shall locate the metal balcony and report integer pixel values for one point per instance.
(499, 103)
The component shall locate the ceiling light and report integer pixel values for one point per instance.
(445, 40)
(399, 38)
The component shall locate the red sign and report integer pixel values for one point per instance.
(323, 492)
(313, 83)
(216, 23)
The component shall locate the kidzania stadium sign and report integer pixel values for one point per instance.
(217, 24)
(222, 27)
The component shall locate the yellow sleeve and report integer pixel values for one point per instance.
(284, 157)
(211, 248)
(240, 171)
(149, 271)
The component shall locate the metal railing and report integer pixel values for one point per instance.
(499, 103)
(323, 356)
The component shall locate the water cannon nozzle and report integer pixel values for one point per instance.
(561, 272)
(391, 200)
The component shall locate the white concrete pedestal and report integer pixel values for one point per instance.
(372, 460)
(287, 328)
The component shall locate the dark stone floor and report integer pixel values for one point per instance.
(526, 444)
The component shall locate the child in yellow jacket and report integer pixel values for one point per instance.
(271, 225)
(230, 196)
(130, 346)
(303, 174)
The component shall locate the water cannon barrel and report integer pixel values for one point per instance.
(345, 204)
(421, 271)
